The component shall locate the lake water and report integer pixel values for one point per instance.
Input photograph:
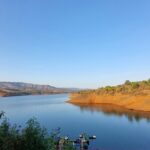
(115, 128)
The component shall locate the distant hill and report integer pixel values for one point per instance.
(21, 88)
(22, 85)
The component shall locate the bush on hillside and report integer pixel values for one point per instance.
(127, 88)
(127, 82)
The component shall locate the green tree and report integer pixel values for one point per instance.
(135, 85)
(10, 138)
(127, 82)
(32, 137)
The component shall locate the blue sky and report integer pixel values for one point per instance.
(74, 43)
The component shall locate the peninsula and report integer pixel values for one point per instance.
(130, 95)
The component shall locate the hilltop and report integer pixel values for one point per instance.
(21, 88)
(131, 95)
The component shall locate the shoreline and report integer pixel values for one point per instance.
(3, 96)
(130, 102)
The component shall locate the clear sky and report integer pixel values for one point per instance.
(74, 43)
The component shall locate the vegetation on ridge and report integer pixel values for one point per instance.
(141, 87)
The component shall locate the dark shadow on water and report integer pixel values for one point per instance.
(113, 110)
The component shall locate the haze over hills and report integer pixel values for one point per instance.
(21, 88)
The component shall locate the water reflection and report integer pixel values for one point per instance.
(109, 110)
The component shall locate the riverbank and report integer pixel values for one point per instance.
(135, 102)
(131, 95)
(2, 93)
(5, 94)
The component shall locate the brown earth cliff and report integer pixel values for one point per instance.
(131, 95)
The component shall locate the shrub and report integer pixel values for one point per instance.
(135, 85)
(32, 137)
(127, 82)
(10, 138)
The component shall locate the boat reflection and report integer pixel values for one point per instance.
(114, 110)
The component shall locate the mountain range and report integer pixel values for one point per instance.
(21, 88)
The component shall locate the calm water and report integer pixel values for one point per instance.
(115, 128)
